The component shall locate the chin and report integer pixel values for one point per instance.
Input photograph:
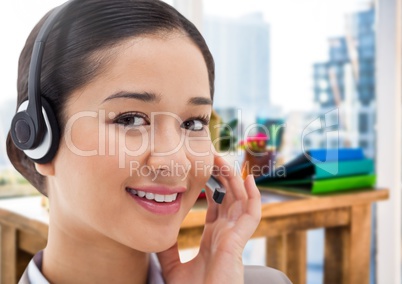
(154, 241)
(159, 246)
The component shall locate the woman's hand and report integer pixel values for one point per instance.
(227, 229)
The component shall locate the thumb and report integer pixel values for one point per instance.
(169, 259)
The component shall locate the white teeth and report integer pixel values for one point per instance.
(156, 197)
(169, 198)
(159, 198)
(174, 196)
(150, 196)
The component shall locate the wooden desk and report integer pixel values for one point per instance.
(346, 218)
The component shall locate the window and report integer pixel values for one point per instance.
(317, 57)
(363, 144)
(363, 123)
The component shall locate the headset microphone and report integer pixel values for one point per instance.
(34, 128)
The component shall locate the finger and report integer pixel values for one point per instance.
(169, 259)
(230, 179)
(249, 220)
(251, 187)
(254, 197)
(251, 206)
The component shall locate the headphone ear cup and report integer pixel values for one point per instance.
(45, 151)
(52, 129)
(23, 131)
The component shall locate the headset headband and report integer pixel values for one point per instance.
(35, 69)
(34, 128)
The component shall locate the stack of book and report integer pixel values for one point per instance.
(322, 171)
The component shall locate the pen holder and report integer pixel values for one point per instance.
(258, 163)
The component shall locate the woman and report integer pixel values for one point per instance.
(131, 84)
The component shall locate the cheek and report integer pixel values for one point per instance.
(199, 145)
(81, 135)
(88, 162)
(90, 195)
(200, 150)
(201, 164)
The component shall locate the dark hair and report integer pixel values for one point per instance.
(86, 28)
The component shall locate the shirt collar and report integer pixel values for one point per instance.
(34, 274)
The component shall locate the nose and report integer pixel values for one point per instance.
(168, 153)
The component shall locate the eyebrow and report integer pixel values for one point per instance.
(199, 101)
(145, 97)
(153, 98)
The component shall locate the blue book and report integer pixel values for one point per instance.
(328, 155)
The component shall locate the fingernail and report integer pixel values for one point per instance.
(251, 176)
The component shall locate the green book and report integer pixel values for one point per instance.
(320, 170)
(320, 186)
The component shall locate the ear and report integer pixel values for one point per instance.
(45, 169)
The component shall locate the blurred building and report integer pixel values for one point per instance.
(347, 82)
(241, 52)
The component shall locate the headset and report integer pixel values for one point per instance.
(34, 128)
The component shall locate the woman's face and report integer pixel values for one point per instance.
(137, 129)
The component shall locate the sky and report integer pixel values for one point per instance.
(299, 32)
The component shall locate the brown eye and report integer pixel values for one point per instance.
(131, 119)
(195, 123)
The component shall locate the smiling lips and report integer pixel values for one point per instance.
(154, 196)
(158, 200)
